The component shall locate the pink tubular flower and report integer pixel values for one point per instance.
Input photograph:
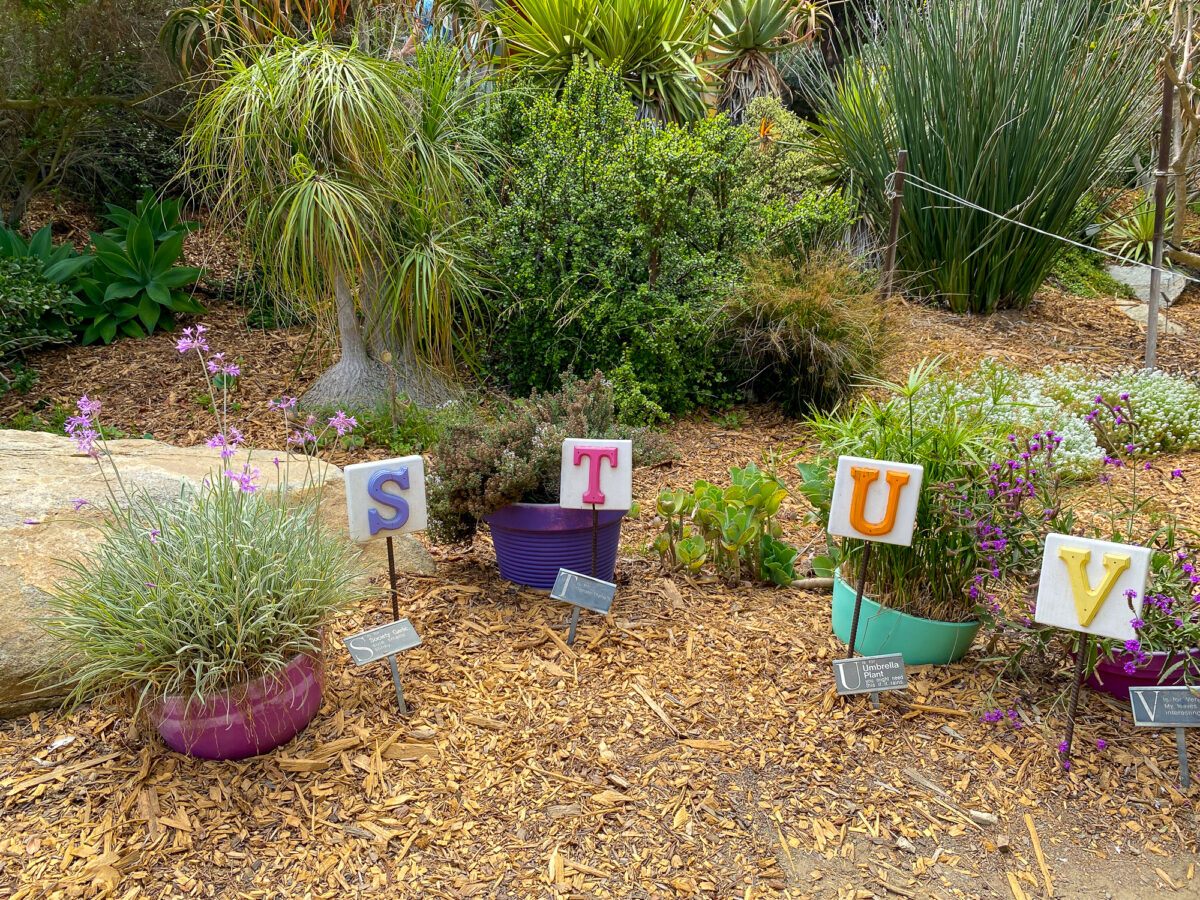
(193, 339)
(245, 479)
(343, 423)
(78, 503)
(283, 403)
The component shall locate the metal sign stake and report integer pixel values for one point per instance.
(858, 598)
(575, 612)
(392, 583)
(1080, 662)
(1185, 777)
(396, 681)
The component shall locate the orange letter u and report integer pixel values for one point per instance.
(863, 479)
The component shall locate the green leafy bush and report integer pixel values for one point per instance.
(804, 334)
(736, 528)
(512, 453)
(1131, 234)
(613, 243)
(57, 264)
(1082, 272)
(1018, 106)
(33, 311)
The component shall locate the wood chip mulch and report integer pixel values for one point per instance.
(690, 744)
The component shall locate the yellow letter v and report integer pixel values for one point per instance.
(1088, 600)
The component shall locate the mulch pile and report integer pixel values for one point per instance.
(690, 744)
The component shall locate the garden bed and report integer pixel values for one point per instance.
(691, 744)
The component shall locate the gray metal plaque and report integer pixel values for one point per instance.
(583, 590)
(870, 674)
(368, 646)
(1165, 707)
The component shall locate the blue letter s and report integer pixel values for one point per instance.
(376, 522)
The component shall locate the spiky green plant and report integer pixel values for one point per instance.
(655, 44)
(1014, 105)
(1131, 234)
(745, 35)
(348, 178)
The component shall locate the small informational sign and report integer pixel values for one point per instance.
(1095, 587)
(385, 498)
(870, 674)
(386, 640)
(875, 500)
(596, 474)
(584, 591)
(1175, 707)
(1165, 707)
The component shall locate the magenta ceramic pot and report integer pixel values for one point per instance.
(534, 540)
(253, 719)
(1111, 678)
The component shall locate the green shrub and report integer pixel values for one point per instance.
(613, 244)
(512, 453)
(1019, 106)
(804, 334)
(34, 312)
(736, 528)
(58, 264)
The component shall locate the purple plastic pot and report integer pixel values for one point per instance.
(253, 719)
(534, 540)
(1110, 676)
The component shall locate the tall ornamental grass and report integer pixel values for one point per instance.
(1018, 106)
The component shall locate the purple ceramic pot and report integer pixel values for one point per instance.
(534, 540)
(253, 719)
(1110, 676)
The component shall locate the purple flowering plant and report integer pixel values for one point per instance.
(216, 587)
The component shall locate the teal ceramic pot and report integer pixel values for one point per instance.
(881, 630)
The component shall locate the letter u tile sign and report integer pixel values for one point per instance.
(875, 500)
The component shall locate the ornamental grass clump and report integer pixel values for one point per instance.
(1018, 107)
(202, 593)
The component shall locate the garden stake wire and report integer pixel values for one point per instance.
(858, 598)
(395, 618)
(1081, 653)
(575, 610)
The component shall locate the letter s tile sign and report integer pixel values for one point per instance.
(875, 500)
(386, 498)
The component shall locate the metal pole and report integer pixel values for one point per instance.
(889, 259)
(862, 580)
(1181, 745)
(1080, 661)
(1160, 216)
(392, 582)
(396, 681)
(574, 624)
(595, 532)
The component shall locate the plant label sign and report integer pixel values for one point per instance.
(596, 474)
(386, 640)
(1168, 707)
(386, 497)
(1165, 707)
(1090, 586)
(875, 500)
(584, 591)
(870, 674)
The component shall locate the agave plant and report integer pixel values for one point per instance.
(745, 35)
(655, 44)
(1131, 234)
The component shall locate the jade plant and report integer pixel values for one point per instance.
(736, 528)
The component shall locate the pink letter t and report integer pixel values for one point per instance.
(595, 454)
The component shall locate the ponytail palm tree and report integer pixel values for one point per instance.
(348, 178)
